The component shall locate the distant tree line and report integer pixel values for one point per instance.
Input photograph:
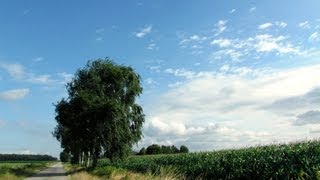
(26, 157)
(157, 149)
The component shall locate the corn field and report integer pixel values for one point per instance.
(299, 160)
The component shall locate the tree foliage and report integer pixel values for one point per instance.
(157, 149)
(183, 149)
(153, 149)
(100, 115)
(64, 156)
(142, 151)
(26, 157)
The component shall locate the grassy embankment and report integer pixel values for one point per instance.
(15, 170)
(299, 160)
(110, 172)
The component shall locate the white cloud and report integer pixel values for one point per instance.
(99, 38)
(232, 11)
(225, 68)
(155, 68)
(150, 81)
(220, 27)
(314, 37)
(38, 59)
(66, 77)
(233, 54)
(180, 72)
(227, 108)
(252, 9)
(26, 151)
(281, 24)
(222, 42)
(40, 79)
(265, 25)
(14, 94)
(15, 70)
(152, 46)
(304, 25)
(253, 47)
(146, 30)
(267, 43)
(194, 40)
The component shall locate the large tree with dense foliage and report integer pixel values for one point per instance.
(100, 115)
(183, 149)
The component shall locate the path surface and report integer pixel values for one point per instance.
(55, 172)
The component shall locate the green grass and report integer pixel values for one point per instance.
(20, 170)
(110, 172)
(285, 161)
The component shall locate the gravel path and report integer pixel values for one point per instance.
(55, 172)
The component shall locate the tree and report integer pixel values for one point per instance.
(174, 149)
(142, 151)
(184, 149)
(100, 114)
(64, 156)
(153, 149)
(165, 149)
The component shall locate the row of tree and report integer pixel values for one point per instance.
(157, 149)
(100, 116)
(26, 157)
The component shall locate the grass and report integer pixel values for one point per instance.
(16, 170)
(110, 172)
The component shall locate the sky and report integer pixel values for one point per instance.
(216, 74)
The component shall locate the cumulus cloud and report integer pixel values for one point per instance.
(265, 25)
(226, 107)
(144, 31)
(267, 43)
(14, 94)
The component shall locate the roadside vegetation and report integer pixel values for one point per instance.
(16, 170)
(20, 166)
(77, 172)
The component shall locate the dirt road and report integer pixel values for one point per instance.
(55, 172)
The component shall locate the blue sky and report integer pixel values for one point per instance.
(216, 74)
